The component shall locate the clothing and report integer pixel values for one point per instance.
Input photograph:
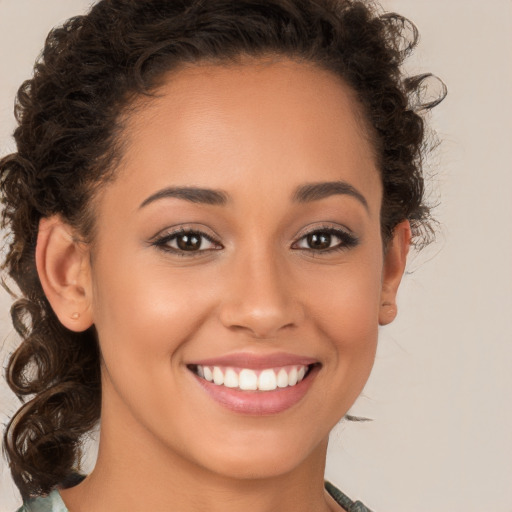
(54, 503)
(50, 503)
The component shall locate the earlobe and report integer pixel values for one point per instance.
(64, 271)
(394, 267)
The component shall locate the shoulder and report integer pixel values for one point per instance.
(50, 503)
(344, 501)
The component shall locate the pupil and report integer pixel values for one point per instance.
(319, 241)
(189, 242)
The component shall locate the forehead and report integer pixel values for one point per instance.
(209, 124)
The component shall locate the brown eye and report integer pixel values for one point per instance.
(326, 240)
(186, 242)
(319, 241)
(189, 242)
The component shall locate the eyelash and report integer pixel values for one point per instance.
(162, 242)
(347, 241)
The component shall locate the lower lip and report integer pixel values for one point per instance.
(259, 402)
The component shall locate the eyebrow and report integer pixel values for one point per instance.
(317, 191)
(192, 194)
(303, 194)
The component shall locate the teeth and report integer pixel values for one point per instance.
(252, 380)
(231, 378)
(218, 376)
(248, 380)
(292, 377)
(282, 378)
(267, 380)
(208, 375)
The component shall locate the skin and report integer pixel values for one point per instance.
(256, 131)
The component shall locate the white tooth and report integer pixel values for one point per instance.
(231, 378)
(301, 373)
(200, 371)
(218, 376)
(292, 376)
(267, 380)
(208, 375)
(282, 378)
(247, 380)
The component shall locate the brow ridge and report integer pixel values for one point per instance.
(317, 191)
(303, 194)
(191, 194)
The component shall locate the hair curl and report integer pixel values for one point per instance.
(68, 141)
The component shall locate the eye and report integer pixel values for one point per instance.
(326, 240)
(186, 241)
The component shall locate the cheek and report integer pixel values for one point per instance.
(345, 309)
(346, 303)
(144, 313)
(148, 312)
(145, 316)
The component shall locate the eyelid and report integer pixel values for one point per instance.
(347, 237)
(161, 239)
(185, 228)
(325, 226)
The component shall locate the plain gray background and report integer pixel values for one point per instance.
(440, 393)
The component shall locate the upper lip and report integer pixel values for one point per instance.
(256, 361)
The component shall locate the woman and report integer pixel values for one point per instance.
(210, 210)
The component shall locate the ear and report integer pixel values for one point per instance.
(395, 259)
(63, 267)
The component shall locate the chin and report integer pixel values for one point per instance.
(257, 467)
(261, 459)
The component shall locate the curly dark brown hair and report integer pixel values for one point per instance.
(69, 138)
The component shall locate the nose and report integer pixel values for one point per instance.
(261, 299)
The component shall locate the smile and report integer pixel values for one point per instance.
(247, 379)
(252, 384)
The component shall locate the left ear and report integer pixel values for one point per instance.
(395, 259)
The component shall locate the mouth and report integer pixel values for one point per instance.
(260, 386)
(249, 379)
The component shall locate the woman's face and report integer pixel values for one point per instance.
(240, 242)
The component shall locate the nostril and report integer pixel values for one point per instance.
(260, 303)
(258, 331)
